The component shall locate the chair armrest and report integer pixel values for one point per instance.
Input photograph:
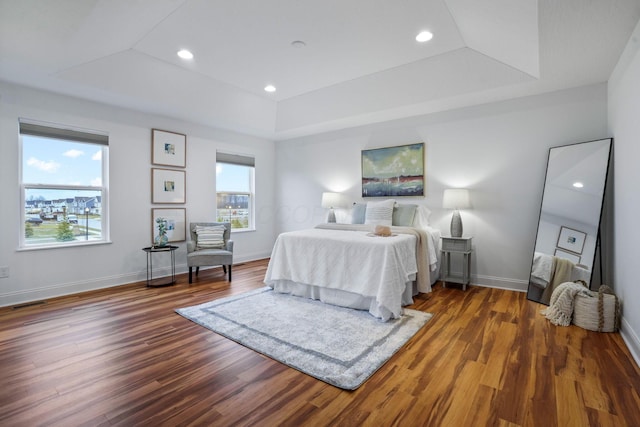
(230, 245)
(191, 246)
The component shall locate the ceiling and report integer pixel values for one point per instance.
(586, 163)
(360, 62)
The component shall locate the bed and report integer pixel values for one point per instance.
(347, 265)
(548, 272)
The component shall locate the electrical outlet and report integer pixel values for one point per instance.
(4, 271)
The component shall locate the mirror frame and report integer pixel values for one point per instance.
(597, 250)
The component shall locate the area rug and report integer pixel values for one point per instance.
(340, 346)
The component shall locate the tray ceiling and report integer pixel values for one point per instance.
(360, 62)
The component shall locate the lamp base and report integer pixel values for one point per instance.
(332, 216)
(456, 224)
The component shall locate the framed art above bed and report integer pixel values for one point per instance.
(393, 171)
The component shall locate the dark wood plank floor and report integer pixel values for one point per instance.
(122, 356)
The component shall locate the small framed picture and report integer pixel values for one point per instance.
(175, 220)
(567, 255)
(168, 148)
(168, 186)
(571, 240)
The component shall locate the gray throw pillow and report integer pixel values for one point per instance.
(403, 215)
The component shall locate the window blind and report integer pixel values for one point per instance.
(235, 159)
(34, 129)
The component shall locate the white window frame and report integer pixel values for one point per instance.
(65, 133)
(239, 160)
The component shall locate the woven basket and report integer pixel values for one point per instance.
(600, 311)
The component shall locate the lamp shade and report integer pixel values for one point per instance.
(331, 200)
(456, 198)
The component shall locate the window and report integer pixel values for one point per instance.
(235, 190)
(63, 185)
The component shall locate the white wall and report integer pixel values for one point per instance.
(38, 274)
(499, 151)
(624, 105)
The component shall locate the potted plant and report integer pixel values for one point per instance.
(161, 239)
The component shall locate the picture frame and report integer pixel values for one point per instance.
(560, 253)
(176, 223)
(571, 240)
(168, 148)
(168, 186)
(393, 171)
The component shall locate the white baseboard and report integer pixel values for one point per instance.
(495, 282)
(62, 289)
(500, 283)
(32, 295)
(631, 339)
(251, 257)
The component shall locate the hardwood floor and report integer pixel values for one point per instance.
(122, 356)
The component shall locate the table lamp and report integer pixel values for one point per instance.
(330, 201)
(456, 198)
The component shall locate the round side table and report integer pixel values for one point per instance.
(150, 250)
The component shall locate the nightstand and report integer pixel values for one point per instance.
(456, 245)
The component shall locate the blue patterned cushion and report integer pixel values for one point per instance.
(357, 213)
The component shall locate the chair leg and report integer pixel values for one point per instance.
(190, 274)
(197, 270)
(229, 272)
(224, 268)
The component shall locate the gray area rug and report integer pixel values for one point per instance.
(340, 346)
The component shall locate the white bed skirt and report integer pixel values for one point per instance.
(343, 298)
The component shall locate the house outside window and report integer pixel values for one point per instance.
(63, 186)
(235, 190)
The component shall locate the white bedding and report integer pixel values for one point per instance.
(543, 270)
(348, 266)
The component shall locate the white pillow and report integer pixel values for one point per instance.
(421, 219)
(379, 213)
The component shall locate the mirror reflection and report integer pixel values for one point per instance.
(570, 214)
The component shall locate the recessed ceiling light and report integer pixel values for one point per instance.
(270, 88)
(578, 184)
(185, 54)
(298, 44)
(424, 36)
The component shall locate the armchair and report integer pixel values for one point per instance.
(214, 247)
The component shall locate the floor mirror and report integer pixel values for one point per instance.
(568, 236)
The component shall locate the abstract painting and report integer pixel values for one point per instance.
(393, 171)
